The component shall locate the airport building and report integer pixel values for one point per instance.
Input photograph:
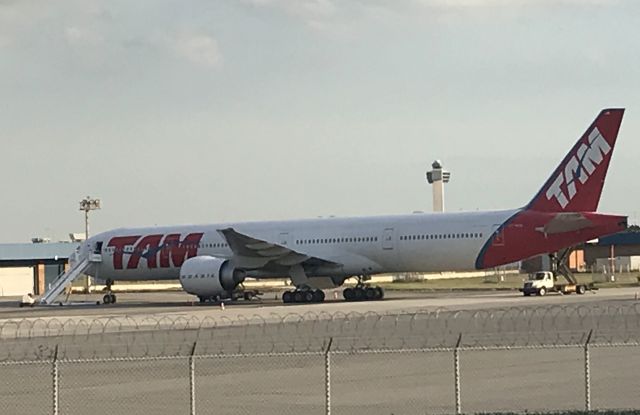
(30, 267)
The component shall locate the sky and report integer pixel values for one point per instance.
(196, 111)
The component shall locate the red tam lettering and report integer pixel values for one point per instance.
(146, 248)
(178, 250)
(119, 243)
(169, 242)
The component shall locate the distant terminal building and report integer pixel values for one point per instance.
(30, 267)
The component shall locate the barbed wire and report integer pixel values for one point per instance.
(156, 336)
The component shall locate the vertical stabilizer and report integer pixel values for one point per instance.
(576, 184)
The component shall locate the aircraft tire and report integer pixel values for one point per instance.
(359, 294)
(298, 297)
(287, 296)
(348, 294)
(379, 293)
(370, 293)
(113, 298)
(308, 296)
(106, 299)
(318, 296)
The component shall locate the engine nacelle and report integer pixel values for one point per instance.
(208, 277)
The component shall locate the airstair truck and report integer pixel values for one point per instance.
(543, 282)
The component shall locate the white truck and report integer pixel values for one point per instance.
(543, 282)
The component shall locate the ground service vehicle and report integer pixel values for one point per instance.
(543, 282)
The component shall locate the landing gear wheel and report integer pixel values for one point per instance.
(202, 300)
(109, 297)
(542, 291)
(298, 296)
(308, 296)
(318, 296)
(363, 293)
(348, 294)
(581, 289)
(370, 293)
(287, 297)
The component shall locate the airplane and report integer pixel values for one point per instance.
(211, 261)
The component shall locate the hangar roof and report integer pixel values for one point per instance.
(34, 252)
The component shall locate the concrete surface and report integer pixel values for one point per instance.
(384, 382)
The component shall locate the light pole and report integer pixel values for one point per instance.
(87, 204)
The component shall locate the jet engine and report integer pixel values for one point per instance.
(209, 277)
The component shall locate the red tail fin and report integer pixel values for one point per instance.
(576, 184)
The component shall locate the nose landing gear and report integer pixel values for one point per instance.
(109, 297)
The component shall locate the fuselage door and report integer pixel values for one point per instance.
(387, 238)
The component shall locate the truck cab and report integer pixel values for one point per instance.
(539, 283)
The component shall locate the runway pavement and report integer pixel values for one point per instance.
(369, 371)
(182, 304)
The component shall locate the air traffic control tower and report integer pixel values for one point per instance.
(437, 177)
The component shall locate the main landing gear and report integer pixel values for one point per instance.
(303, 296)
(363, 292)
(109, 297)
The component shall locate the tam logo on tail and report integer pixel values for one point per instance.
(576, 184)
(580, 167)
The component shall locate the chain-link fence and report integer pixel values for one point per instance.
(559, 358)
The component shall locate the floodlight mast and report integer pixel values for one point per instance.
(88, 204)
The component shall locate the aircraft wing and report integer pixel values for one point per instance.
(250, 252)
(566, 222)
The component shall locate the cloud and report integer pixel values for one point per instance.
(314, 11)
(75, 36)
(306, 9)
(197, 48)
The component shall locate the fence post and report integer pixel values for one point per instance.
(55, 382)
(456, 368)
(587, 373)
(192, 380)
(327, 378)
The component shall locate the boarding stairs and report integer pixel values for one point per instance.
(67, 277)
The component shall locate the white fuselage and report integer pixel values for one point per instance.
(424, 242)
